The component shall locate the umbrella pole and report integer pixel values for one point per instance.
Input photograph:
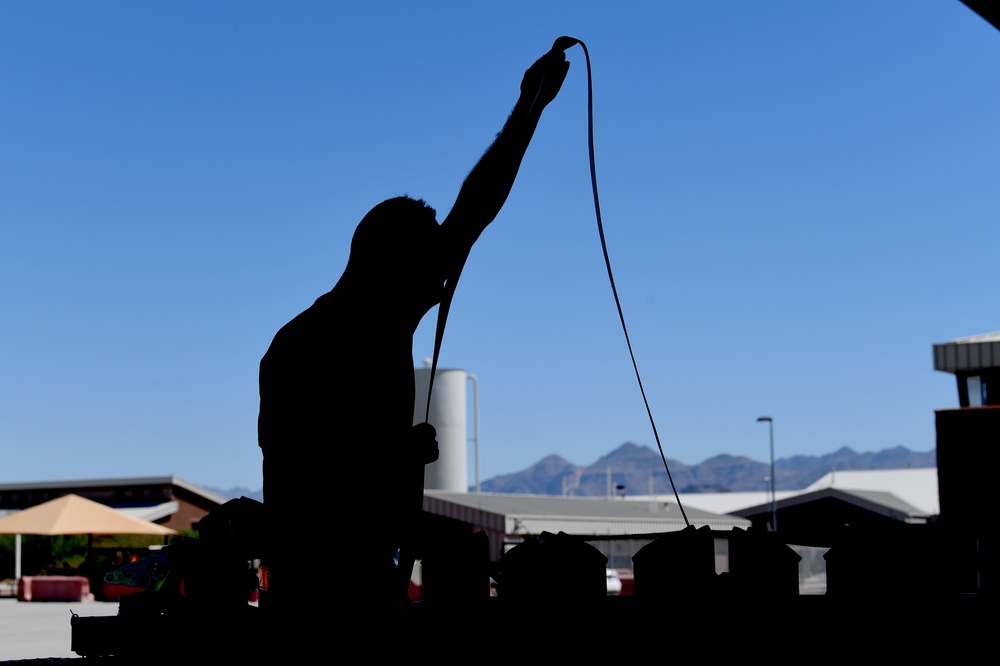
(17, 557)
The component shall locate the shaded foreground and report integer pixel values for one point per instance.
(552, 602)
(813, 625)
(915, 591)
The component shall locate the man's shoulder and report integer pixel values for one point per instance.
(321, 312)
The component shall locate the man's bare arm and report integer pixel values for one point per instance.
(487, 186)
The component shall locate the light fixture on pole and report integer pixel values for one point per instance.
(774, 503)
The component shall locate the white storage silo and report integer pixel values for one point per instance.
(448, 415)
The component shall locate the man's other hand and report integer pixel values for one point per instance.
(423, 438)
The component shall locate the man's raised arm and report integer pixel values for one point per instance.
(489, 183)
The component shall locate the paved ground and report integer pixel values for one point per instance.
(41, 629)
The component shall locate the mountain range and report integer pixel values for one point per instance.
(639, 470)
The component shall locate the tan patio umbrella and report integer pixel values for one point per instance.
(72, 514)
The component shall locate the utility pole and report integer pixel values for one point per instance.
(774, 502)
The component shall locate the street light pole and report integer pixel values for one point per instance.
(774, 503)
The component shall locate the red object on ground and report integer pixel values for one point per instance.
(54, 588)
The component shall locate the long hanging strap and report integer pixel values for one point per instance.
(611, 277)
(442, 318)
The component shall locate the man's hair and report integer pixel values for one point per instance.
(396, 226)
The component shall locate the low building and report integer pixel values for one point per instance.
(165, 500)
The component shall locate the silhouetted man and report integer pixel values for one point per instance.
(341, 457)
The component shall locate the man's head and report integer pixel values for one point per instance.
(397, 249)
(396, 226)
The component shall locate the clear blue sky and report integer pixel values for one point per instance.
(799, 200)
